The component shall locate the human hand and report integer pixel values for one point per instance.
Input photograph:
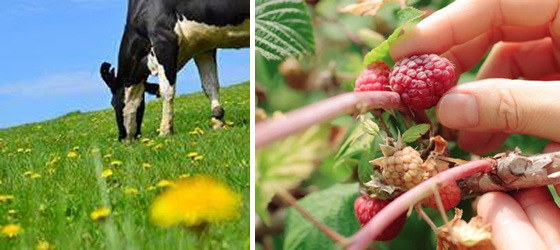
(486, 111)
(528, 219)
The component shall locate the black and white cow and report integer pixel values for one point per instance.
(160, 37)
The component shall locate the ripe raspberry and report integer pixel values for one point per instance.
(403, 168)
(450, 197)
(422, 80)
(374, 78)
(366, 209)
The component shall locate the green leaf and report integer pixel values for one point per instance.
(381, 52)
(285, 164)
(333, 207)
(365, 169)
(412, 134)
(360, 145)
(282, 28)
(409, 14)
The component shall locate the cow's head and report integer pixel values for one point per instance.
(129, 115)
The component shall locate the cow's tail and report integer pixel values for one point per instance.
(108, 74)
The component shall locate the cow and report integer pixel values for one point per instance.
(160, 37)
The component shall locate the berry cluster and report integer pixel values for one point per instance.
(403, 168)
(420, 80)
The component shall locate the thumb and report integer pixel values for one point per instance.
(502, 105)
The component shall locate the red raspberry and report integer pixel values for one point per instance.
(374, 78)
(422, 80)
(366, 209)
(450, 197)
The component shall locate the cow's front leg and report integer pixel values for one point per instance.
(207, 69)
(133, 104)
(163, 61)
(167, 91)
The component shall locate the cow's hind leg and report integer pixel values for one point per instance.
(207, 69)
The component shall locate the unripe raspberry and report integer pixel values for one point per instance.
(422, 80)
(374, 78)
(404, 168)
(366, 209)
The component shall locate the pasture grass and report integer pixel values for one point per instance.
(50, 170)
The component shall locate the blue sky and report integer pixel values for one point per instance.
(51, 50)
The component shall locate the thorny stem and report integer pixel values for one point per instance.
(289, 199)
(435, 190)
(298, 120)
(424, 216)
(379, 115)
(373, 228)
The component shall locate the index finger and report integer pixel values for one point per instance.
(465, 20)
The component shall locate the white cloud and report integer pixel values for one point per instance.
(57, 84)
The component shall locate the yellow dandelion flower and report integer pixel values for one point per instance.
(193, 201)
(116, 163)
(146, 165)
(197, 131)
(31, 175)
(164, 184)
(44, 245)
(146, 141)
(11, 230)
(184, 176)
(106, 173)
(72, 154)
(12, 213)
(151, 143)
(131, 191)
(158, 147)
(6, 198)
(52, 163)
(198, 158)
(42, 208)
(193, 154)
(100, 213)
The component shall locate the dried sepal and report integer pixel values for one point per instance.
(379, 189)
(460, 235)
(363, 7)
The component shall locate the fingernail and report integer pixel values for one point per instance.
(458, 111)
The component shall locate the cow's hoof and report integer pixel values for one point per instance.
(165, 132)
(218, 113)
(217, 124)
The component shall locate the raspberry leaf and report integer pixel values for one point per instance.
(413, 133)
(365, 170)
(333, 207)
(282, 28)
(357, 142)
(284, 165)
(381, 52)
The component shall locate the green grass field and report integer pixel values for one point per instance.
(53, 199)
